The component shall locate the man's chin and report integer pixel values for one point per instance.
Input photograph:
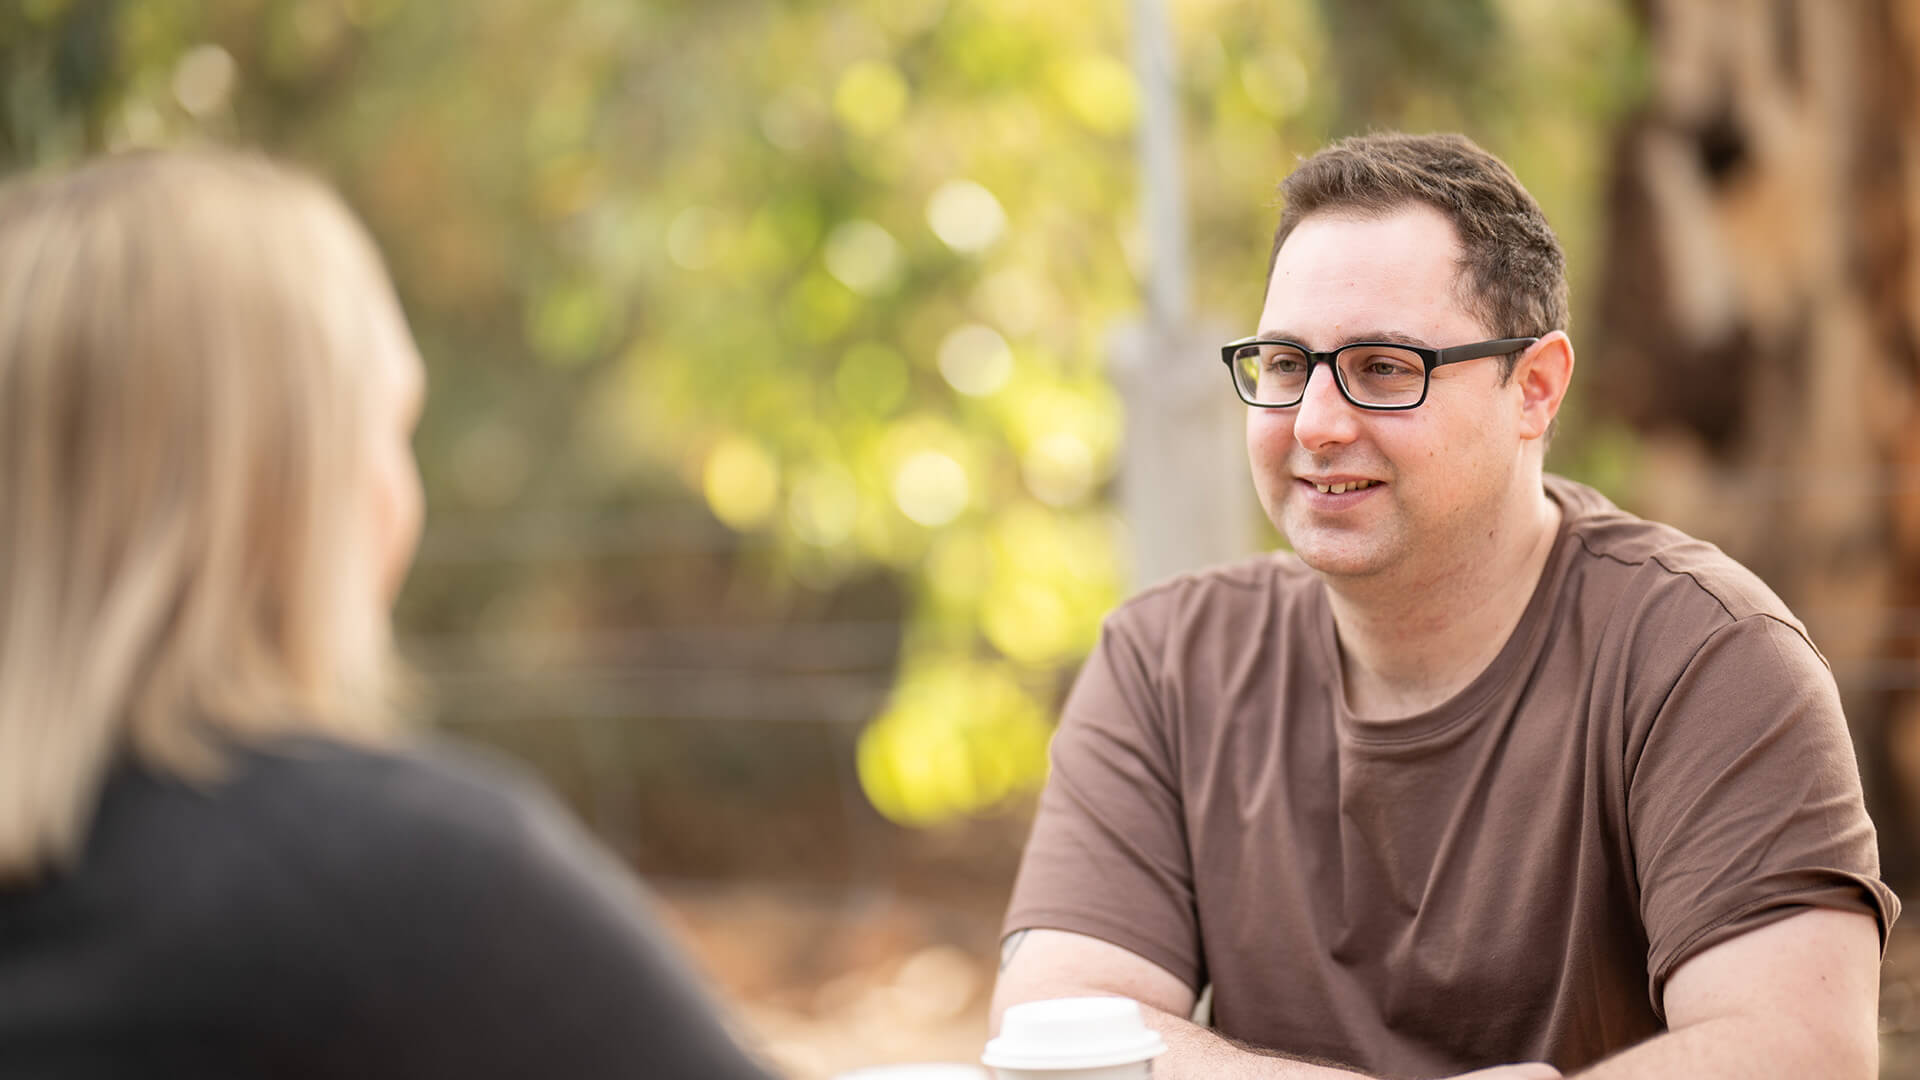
(1346, 566)
(1339, 556)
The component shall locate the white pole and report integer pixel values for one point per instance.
(1163, 197)
(1183, 474)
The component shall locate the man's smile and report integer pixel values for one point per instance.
(1338, 487)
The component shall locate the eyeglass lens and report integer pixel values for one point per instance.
(1371, 374)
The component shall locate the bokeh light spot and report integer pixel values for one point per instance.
(1059, 469)
(975, 360)
(1027, 620)
(871, 97)
(863, 256)
(1016, 298)
(824, 505)
(741, 481)
(930, 488)
(965, 216)
(959, 736)
(203, 80)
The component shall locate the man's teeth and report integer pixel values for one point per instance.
(1341, 489)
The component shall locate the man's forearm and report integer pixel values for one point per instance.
(1197, 1053)
(1042, 964)
(1037, 964)
(1736, 1048)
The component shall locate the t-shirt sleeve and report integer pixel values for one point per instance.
(493, 938)
(1108, 856)
(1744, 803)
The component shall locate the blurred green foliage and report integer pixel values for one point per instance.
(843, 272)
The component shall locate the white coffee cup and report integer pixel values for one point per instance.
(916, 1073)
(1088, 1038)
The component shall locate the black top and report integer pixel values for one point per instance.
(329, 911)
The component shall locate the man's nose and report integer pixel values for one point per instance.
(1324, 416)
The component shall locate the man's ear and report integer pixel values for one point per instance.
(1542, 375)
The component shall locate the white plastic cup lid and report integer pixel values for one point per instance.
(1073, 1033)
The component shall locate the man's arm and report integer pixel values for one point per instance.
(1795, 999)
(1037, 964)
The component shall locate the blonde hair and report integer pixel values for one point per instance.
(184, 344)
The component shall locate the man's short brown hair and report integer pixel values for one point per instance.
(1513, 277)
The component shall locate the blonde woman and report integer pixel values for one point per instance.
(218, 854)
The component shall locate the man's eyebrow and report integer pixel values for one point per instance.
(1395, 336)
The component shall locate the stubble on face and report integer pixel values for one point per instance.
(1355, 548)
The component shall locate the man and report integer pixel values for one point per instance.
(1486, 774)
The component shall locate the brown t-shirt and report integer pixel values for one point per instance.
(1655, 762)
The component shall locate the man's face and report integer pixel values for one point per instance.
(1423, 485)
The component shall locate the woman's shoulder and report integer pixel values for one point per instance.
(347, 805)
(431, 900)
(426, 777)
(308, 863)
(331, 816)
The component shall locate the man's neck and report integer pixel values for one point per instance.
(1408, 645)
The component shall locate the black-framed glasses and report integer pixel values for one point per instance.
(1371, 374)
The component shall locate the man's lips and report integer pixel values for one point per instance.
(1338, 485)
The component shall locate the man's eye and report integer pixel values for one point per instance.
(1385, 367)
(1284, 364)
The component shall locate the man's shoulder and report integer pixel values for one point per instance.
(1631, 557)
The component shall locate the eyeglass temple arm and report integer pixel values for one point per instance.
(1496, 347)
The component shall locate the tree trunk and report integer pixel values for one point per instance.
(1759, 315)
